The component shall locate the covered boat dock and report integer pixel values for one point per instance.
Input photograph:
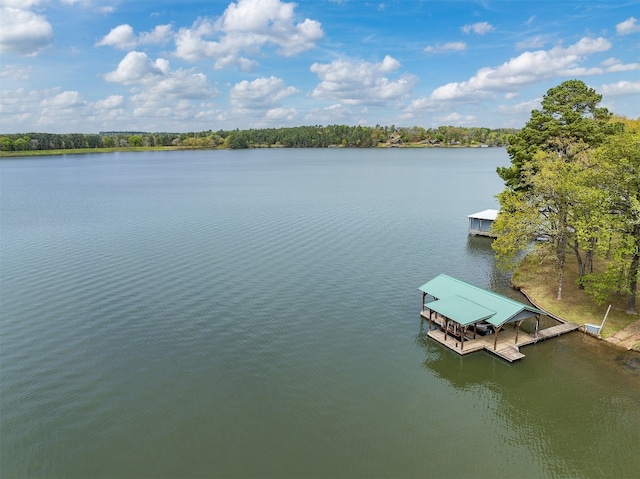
(466, 318)
(480, 223)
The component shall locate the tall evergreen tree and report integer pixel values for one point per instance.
(569, 114)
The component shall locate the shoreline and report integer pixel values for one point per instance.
(84, 151)
(627, 338)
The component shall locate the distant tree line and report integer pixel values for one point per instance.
(295, 137)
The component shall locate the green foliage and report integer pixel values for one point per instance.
(618, 160)
(6, 143)
(515, 227)
(237, 140)
(599, 286)
(571, 180)
(21, 144)
(316, 136)
(135, 141)
(570, 114)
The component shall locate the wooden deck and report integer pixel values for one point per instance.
(554, 331)
(507, 348)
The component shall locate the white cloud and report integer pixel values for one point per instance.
(281, 114)
(23, 32)
(21, 4)
(455, 118)
(620, 88)
(260, 93)
(124, 38)
(630, 25)
(447, 47)
(480, 28)
(137, 67)
(160, 34)
(331, 114)
(421, 104)
(245, 28)
(525, 69)
(15, 72)
(357, 82)
(160, 92)
(64, 100)
(16, 109)
(67, 108)
(183, 85)
(621, 67)
(113, 101)
(121, 37)
(611, 65)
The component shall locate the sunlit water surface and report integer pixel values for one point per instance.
(256, 314)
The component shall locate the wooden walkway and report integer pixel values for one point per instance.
(507, 348)
(554, 331)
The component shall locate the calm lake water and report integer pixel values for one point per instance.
(256, 314)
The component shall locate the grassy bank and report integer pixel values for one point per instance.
(538, 278)
(82, 151)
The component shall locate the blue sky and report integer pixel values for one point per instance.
(193, 65)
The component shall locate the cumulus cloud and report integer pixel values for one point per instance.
(137, 67)
(356, 82)
(123, 37)
(23, 32)
(160, 106)
(245, 28)
(525, 69)
(447, 47)
(183, 85)
(630, 25)
(55, 108)
(613, 65)
(260, 93)
(113, 101)
(620, 88)
(64, 100)
(480, 28)
(168, 93)
(281, 114)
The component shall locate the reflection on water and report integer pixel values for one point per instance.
(567, 416)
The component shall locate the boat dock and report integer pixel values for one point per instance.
(466, 318)
(480, 223)
(508, 344)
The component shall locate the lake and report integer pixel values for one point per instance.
(255, 313)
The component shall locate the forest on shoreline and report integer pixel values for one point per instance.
(294, 137)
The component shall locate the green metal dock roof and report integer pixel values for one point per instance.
(467, 304)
